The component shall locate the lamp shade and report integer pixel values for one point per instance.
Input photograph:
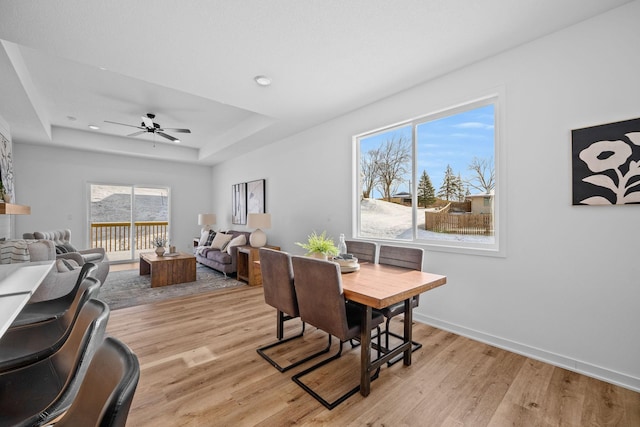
(259, 220)
(206, 219)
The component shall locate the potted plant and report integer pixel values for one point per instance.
(319, 245)
(159, 243)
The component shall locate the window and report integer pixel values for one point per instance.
(125, 219)
(432, 180)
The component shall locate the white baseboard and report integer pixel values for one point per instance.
(607, 375)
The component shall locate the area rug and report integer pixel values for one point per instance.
(127, 288)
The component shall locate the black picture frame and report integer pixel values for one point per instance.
(239, 203)
(606, 164)
(256, 196)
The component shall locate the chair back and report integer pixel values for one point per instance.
(401, 257)
(277, 281)
(364, 251)
(53, 382)
(105, 395)
(72, 361)
(320, 299)
(89, 288)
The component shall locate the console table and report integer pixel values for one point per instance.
(248, 268)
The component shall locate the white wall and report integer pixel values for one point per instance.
(53, 181)
(568, 290)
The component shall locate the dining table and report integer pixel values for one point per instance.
(377, 286)
(18, 282)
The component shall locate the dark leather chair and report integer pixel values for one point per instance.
(322, 304)
(54, 308)
(36, 394)
(24, 345)
(406, 258)
(364, 251)
(279, 292)
(105, 395)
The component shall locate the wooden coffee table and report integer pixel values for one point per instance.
(168, 270)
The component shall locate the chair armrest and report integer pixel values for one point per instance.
(93, 251)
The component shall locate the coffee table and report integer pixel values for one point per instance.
(168, 270)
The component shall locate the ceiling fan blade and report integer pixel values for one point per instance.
(169, 137)
(178, 130)
(140, 132)
(123, 124)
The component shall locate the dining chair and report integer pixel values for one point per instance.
(36, 394)
(51, 309)
(24, 345)
(321, 302)
(105, 395)
(279, 292)
(364, 251)
(406, 258)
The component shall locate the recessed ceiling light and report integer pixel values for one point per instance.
(94, 127)
(262, 80)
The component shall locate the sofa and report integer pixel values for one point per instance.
(225, 259)
(63, 275)
(62, 241)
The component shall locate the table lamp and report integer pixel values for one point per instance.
(258, 221)
(206, 220)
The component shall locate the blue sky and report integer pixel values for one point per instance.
(454, 140)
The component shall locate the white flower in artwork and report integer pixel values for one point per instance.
(611, 155)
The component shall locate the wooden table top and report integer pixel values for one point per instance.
(379, 285)
(152, 257)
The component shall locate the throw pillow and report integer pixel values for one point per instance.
(203, 238)
(210, 238)
(69, 247)
(220, 241)
(64, 265)
(239, 240)
(60, 250)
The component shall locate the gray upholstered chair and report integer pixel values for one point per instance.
(407, 258)
(60, 281)
(52, 309)
(38, 393)
(279, 292)
(322, 304)
(364, 251)
(107, 390)
(62, 239)
(23, 345)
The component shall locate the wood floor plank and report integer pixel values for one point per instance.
(199, 367)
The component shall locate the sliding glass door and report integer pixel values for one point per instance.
(125, 219)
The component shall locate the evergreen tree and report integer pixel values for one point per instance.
(426, 192)
(450, 188)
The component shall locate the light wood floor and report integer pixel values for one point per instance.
(199, 367)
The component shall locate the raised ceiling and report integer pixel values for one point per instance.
(71, 63)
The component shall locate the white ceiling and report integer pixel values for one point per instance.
(192, 63)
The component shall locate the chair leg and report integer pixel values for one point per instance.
(280, 332)
(329, 405)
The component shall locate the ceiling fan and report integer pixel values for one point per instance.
(149, 126)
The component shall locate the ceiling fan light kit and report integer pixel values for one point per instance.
(148, 125)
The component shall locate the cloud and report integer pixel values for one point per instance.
(474, 125)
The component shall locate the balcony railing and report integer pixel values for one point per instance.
(116, 236)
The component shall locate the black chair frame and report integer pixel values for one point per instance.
(330, 405)
(282, 317)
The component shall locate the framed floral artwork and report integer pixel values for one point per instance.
(606, 164)
(239, 203)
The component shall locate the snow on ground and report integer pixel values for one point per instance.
(386, 220)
